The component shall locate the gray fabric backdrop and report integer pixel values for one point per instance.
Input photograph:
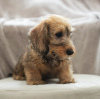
(16, 17)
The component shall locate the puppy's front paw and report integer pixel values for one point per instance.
(73, 80)
(66, 81)
(36, 82)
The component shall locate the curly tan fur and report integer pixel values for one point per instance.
(47, 54)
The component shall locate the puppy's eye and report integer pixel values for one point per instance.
(59, 34)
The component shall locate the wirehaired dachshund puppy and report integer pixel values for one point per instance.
(48, 53)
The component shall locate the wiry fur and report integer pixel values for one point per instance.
(45, 55)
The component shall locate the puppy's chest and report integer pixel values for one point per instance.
(48, 69)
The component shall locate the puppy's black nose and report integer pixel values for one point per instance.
(69, 52)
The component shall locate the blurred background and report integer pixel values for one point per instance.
(18, 16)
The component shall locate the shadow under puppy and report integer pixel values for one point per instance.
(48, 53)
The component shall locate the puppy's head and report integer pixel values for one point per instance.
(53, 37)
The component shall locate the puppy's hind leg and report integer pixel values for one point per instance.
(18, 73)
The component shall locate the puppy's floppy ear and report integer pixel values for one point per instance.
(39, 37)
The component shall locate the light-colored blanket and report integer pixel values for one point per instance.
(17, 17)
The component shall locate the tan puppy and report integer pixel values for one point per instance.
(48, 53)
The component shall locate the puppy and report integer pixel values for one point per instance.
(48, 53)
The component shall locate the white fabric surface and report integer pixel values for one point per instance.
(86, 87)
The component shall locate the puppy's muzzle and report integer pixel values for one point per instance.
(69, 52)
